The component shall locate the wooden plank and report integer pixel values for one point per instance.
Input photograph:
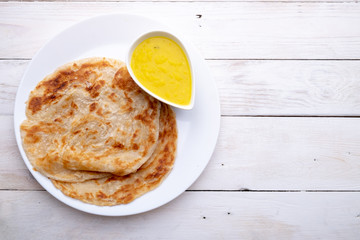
(297, 88)
(327, 88)
(292, 1)
(253, 153)
(11, 72)
(285, 154)
(37, 215)
(245, 30)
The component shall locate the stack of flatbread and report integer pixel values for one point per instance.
(97, 135)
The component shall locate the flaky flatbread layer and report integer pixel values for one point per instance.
(89, 119)
(115, 190)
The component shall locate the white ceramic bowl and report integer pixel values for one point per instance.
(180, 43)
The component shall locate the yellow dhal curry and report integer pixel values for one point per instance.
(162, 67)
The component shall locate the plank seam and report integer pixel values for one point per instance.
(214, 190)
(256, 116)
(181, 1)
(291, 116)
(248, 190)
(230, 59)
(284, 59)
(13, 59)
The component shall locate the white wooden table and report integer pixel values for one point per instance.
(287, 162)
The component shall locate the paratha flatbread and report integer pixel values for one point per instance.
(40, 137)
(121, 190)
(89, 115)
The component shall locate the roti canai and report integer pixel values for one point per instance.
(88, 120)
(115, 190)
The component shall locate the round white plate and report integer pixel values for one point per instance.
(110, 36)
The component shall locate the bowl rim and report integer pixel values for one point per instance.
(161, 33)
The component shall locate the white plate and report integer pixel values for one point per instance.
(110, 36)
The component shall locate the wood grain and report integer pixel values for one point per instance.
(288, 77)
(240, 30)
(11, 73)
(253, 153)
(260, 87)
(285, 154)
(280, 216)
(301, 88)
(291, 1)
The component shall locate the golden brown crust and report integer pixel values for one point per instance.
(97, 135)
(83, 118)
(115, 190)
(55, 85)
